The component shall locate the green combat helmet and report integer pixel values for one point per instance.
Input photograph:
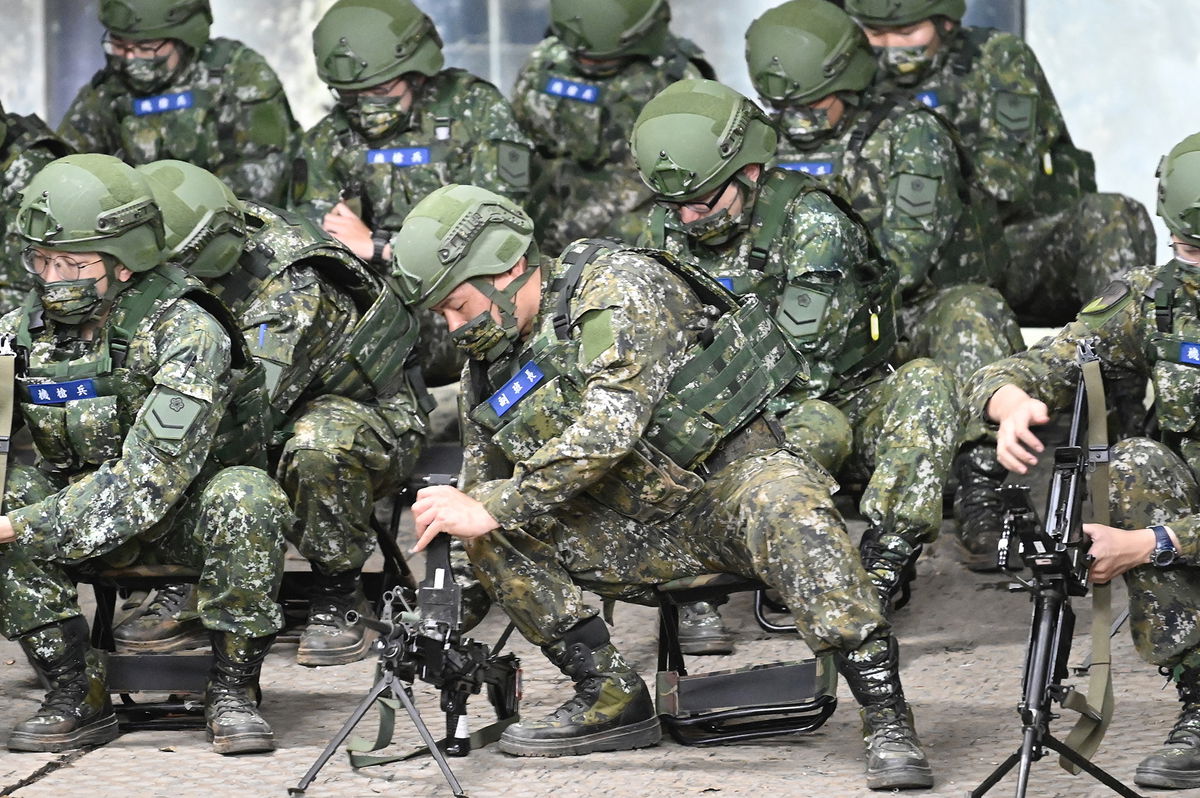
(362, 43)
(696, 136)
(610, 29)
(1179, 190)
(465, 234)
(138, 20)
(897, 13)
(805, 50)
(205, 223)
(89, 203)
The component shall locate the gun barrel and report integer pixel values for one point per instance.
(354, 617)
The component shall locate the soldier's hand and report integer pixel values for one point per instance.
(344, 225)
(1016, 411)
(1117, 550)
(7, 535)
(442, 508)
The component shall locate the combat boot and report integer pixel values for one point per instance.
(977, 507)
(1176, 765)
(77, 710)
(155, 629)
(231, 714)
(328, 639)
(610, 711)
(702, 631)
(895, 760)
(891, 562)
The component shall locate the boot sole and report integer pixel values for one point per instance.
(98, 733)
(311, 658)
(642, 734)
(166, 645)
(1166, 779)
(910, 778)
(249, 743)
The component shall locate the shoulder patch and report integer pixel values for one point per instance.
(916, 195)
(596, 334)
(171, 414)
(1016, 112)
(513, 164)
(1111, 299)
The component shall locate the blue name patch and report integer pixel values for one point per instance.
(1189, 352)
(814, 168)
(727, 282)
(929, 98)
(53, 393)
(561, 87)
(163, 103)
(399, 156)
(516, 389)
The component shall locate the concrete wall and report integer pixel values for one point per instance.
(23, 56)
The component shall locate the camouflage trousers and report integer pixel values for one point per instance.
(1150, 484)
(899, 435)
(964, 328)
(231, 530)
(1061, 261)
(569, 201)
(768, 516)
(341, 457)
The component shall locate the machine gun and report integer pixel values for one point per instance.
(1056, 552)
(428, 644)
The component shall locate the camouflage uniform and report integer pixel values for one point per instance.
(566, 526)
(461, 131)
(586, 182)
(118, 483)
(899, 167)
(896, 430)
(1068, 240)
(226, 111)
(26, 145)
(1151, 482)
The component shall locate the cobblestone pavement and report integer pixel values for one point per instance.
(962, 640)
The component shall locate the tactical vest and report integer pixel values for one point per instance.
(372, 359)
(800, 305)
(80, 411)
(722, 388)
(580, 129)
(1174, 356)
(176, 118)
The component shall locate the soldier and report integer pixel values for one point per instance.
(1067, 242)
(169, 91)
(702, 148)
(607, 450)
(1145, 323)
(126, 370)
(348, 427)
(577, 98)
(26, 145)
(901, 168)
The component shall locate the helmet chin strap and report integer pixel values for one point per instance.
(505, 299)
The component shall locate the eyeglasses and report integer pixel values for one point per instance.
(126, 48)
(701, 205)
(40, 264)
(350, 96)
(1185, 253)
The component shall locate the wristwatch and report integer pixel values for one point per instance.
(379, 240)
(1164, 553)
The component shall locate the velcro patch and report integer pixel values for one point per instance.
(399, 156)
(1109, 299)
(516, 389)
(513, 164)
(1016, 112)
(170, 414)
(163, 103)
(571, 90)
(916, 195)
(53, 393)
(814, 168)
(596, 334)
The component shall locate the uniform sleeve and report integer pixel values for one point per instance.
(923, 208)
(500, 160)
(90, 124)
(259, 153)
(1013, 93)
(317, 183)
(162, 454)
(641, 347)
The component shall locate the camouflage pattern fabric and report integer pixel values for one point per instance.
(586, 184)
(767, 514)
(26, 145)
(158, 496)
(235, 120)
(991, 86)
(335, 455)
(1150, 483)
